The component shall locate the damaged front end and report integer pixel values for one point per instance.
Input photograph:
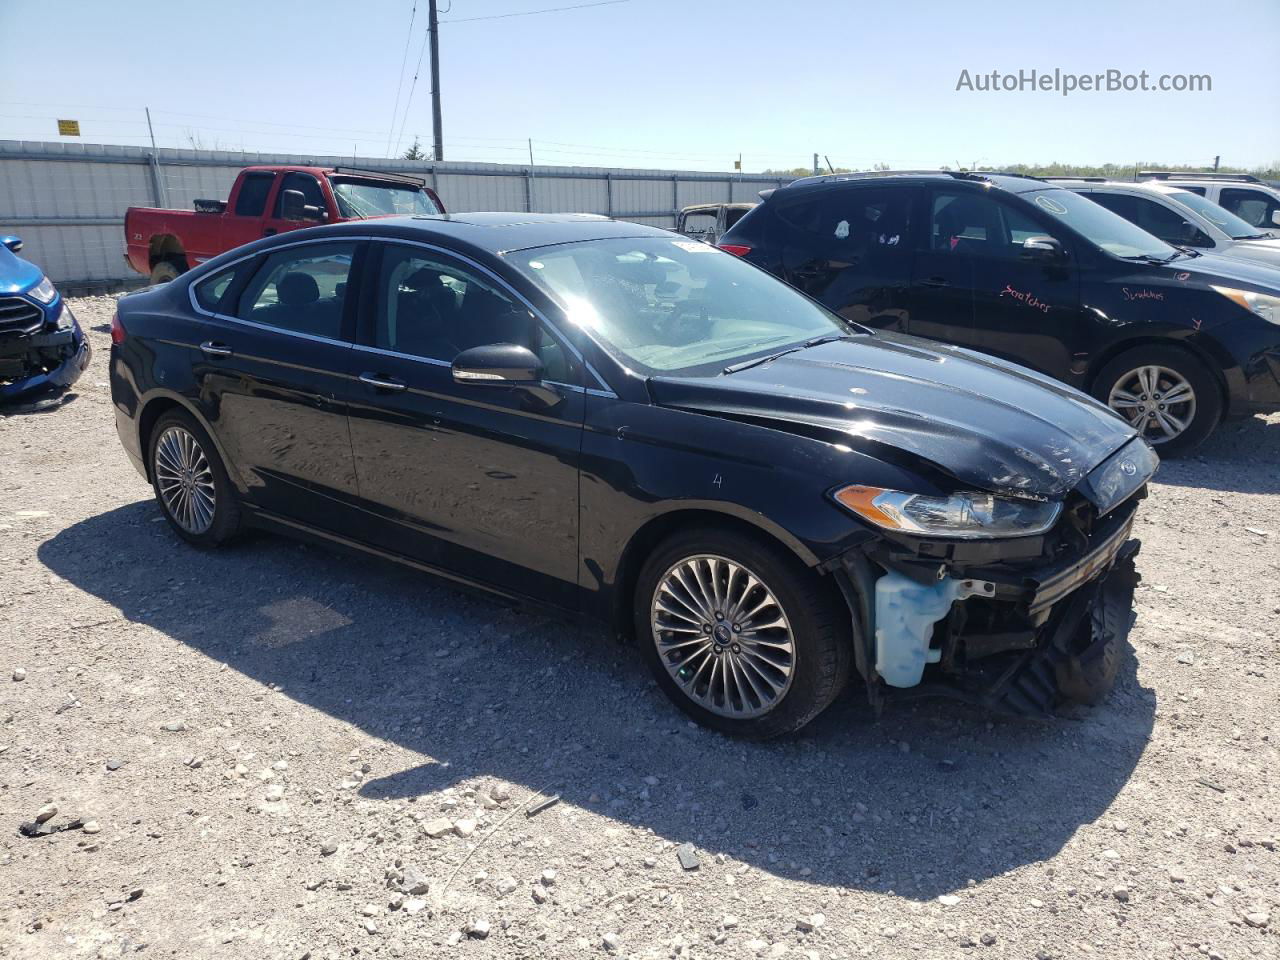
(1018, 624)
(39, 349)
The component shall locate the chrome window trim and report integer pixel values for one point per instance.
(288, 333)
(432, 361)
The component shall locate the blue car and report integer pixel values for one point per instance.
(41, 345)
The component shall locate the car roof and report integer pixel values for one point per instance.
(1011, 182)
(1117, 186)
(496, 233)
(701, 207)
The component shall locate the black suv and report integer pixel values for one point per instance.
(1012, 266)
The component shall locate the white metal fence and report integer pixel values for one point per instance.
(67, 201)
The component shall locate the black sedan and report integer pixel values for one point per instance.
(645, 431)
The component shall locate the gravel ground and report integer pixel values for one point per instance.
(278, 751)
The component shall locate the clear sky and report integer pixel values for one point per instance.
(684, 84)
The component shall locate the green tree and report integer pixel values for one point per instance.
(415, 152)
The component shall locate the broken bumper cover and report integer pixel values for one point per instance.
(43, 361)
(1013, 638)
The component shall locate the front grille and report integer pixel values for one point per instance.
(19, 316)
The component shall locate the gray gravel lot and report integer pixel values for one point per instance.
(279, 750)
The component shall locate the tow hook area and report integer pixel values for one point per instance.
(906, 611)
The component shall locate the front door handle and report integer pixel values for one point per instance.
(381, 383)
(936, 282)
(269, 232)
(211, 348)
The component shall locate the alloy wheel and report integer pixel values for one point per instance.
(723, 636)
(185, 480)
(1158, 401)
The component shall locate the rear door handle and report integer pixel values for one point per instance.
(935, 282)
(269, 232)
(211, 348)
(381, 383)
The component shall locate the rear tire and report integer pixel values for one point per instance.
(739, 634)
(191, 484)
(1139, 383)
(166, 271)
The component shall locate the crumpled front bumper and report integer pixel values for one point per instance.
(1013, 637)
(43, 361)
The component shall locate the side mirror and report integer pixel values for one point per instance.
(1275, 217)
(14, 244)
(293, 205)
(1043, 249)
(313, 213)
(497, 365)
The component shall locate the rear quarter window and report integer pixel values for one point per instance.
(211, 291)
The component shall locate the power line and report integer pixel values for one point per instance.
(409, 100)
(404, 59)
(530, 13)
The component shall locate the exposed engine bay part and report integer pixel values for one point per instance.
(906, 612)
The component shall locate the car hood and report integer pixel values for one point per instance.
(1258, 251)
(988, 424)
(1210, 268)
(16, 274)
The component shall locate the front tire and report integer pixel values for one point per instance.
(739, 634)
(190, 482)
(1166, 393)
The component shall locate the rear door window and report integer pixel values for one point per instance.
(301, 289)
(851, 221)
(1252, 206)
(1117, 203)
(252, 198)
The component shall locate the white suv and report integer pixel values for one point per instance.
(1179, 217)
(1252, 200)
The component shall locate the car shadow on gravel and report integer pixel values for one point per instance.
(1241, 456)
(931, 796)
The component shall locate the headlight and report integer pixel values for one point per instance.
(963, 516)
(1265, 306)
(43, 291)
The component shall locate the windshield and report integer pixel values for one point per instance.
(675, 306)
(359, 199)
(1110, 231)
(1225, 220)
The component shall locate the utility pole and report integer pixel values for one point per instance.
(816, 169)
(437, 127)
(1216, 161)
(157, 182)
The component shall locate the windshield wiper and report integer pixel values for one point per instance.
(1152, 258)
(747, 364)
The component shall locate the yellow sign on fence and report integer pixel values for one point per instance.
(68, 128)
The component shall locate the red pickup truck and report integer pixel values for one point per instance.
(164, 244)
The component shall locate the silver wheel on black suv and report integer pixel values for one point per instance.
(741, 635)
(1166, 393)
